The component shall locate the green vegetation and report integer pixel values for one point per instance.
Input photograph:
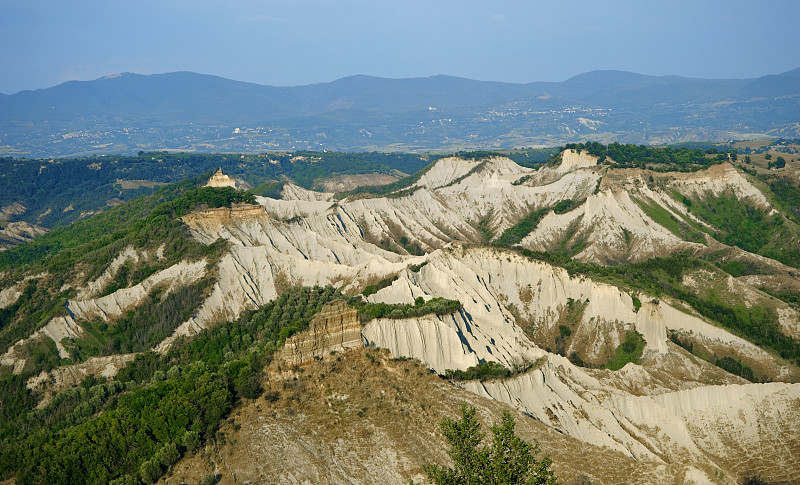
(399, 188)
(569, 318)
(738, 223)
(566, 205)
(268, 189)
(414, 268)
(372, 289)
(159, 406)
(483, 371)
(152, 321)
(483, 228)
(684, 343)
(507, 460)
(144, 223)
(628, 351)
(662, 159)
(368, 311)
(665, 218)
(532, 158)
(528, 157)
(147, 223)
(516, 233)
(787, 195)
(313, 166)
(637, 303)
(57, 191)
(730, 364)
(413, 249)
(735, 367)
(477, 168)
(522, 180)
(790, 297)
(34, 308)
(735, 268)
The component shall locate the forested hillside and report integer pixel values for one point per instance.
(56, 192)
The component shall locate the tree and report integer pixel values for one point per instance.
(508, 460)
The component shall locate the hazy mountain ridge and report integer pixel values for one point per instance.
(201, 112)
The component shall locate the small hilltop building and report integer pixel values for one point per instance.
(219, 179)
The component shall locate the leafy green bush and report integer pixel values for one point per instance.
(637, 303)
(483, 371)
(372, 289)
(628, 351)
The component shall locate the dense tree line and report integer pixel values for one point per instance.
(72, 186)
(482, 371)
(665, 159)
(420, 307)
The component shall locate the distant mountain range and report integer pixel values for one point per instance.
(126, 112)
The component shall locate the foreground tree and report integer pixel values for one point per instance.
(508, 460)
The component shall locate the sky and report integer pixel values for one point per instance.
(295, 42)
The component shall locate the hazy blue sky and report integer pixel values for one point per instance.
(46, 42)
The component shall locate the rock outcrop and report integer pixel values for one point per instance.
(335, 328)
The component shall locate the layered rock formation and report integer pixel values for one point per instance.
(335, 328)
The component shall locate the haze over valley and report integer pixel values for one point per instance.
(184, 111)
